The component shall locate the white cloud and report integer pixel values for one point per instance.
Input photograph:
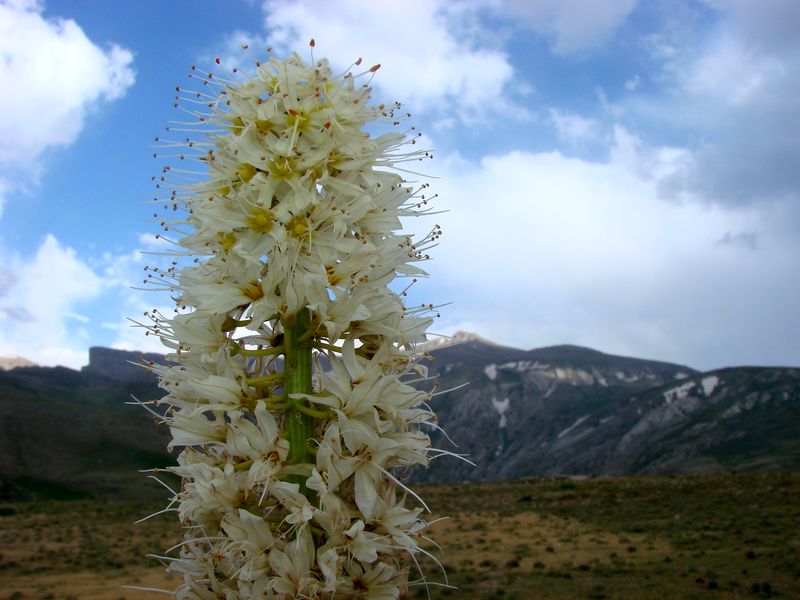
(735, 89)
(633, 83)
(574, 129)
(54, 305)
(129, 333)
(730, 72)
(770, 24)
(573, 26)
(39, 299)
(543, 249)
(125, 274)
(52, 76)
(431, 55)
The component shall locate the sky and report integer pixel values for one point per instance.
(622, 175)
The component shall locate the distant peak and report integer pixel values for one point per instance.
(122, 365)
(12, 362)
(459, 337)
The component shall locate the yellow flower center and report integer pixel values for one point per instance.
(237, 124)
(253, 291)
(298, 227)
(282, 167)
(264, 126)
(227, 240)
(333, 277)
(260, 220)
(297, 120)
(246, 172)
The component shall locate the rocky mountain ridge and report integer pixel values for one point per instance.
(561, 410)
(121, 365)
(12, 362)
(572, 410)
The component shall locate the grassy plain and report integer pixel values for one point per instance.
(735, 536)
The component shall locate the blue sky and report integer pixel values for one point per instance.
(619, 174)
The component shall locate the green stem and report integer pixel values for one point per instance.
(271, 402)
(261, 352)
(324, 346)
(297, 379)
(312, 412)
(264, 380)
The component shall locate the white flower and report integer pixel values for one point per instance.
(290, 474)
(188, 430)
(292, 568)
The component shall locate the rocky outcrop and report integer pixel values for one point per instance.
(12, 362)
(562, 410)
(121, 365)
(571, 410)
(69, 434)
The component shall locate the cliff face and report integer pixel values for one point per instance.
(121, 365)
(523, 412)
(571, 410)
(70, 434)
(550, 411)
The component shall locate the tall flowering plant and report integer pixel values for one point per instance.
(290, 389)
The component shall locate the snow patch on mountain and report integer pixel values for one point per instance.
(599, 378)
(748, 403)
(709, 384)
(626, 378)
(573, 426)
(524, 365)
(440, 341)
(501, 406)
(678, 393)
(677, 409)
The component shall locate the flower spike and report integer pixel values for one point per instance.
(288, 390)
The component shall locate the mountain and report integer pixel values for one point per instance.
(572, 410)
(12, 362)
(736, 419)
(65, 433)
(515, 413)
(121, 365)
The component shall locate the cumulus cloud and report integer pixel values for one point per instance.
(572, 26)
(541, 248)
(573, 128)
(56, 304)
(431, 55)
(768, 23)
(737, 89)
(124, 276)
(52, 76)
(128, 331)
(40, 305)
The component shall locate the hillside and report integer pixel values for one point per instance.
(572, 410)
(548, 411)
(65, 433)
(620, 538)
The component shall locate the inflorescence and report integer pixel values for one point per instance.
(289, 391)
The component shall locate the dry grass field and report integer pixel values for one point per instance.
(627, 538)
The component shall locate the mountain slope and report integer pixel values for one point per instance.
(746, 418)
(520, 408)
(572, 410)
(69, 434)
(549, 411)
